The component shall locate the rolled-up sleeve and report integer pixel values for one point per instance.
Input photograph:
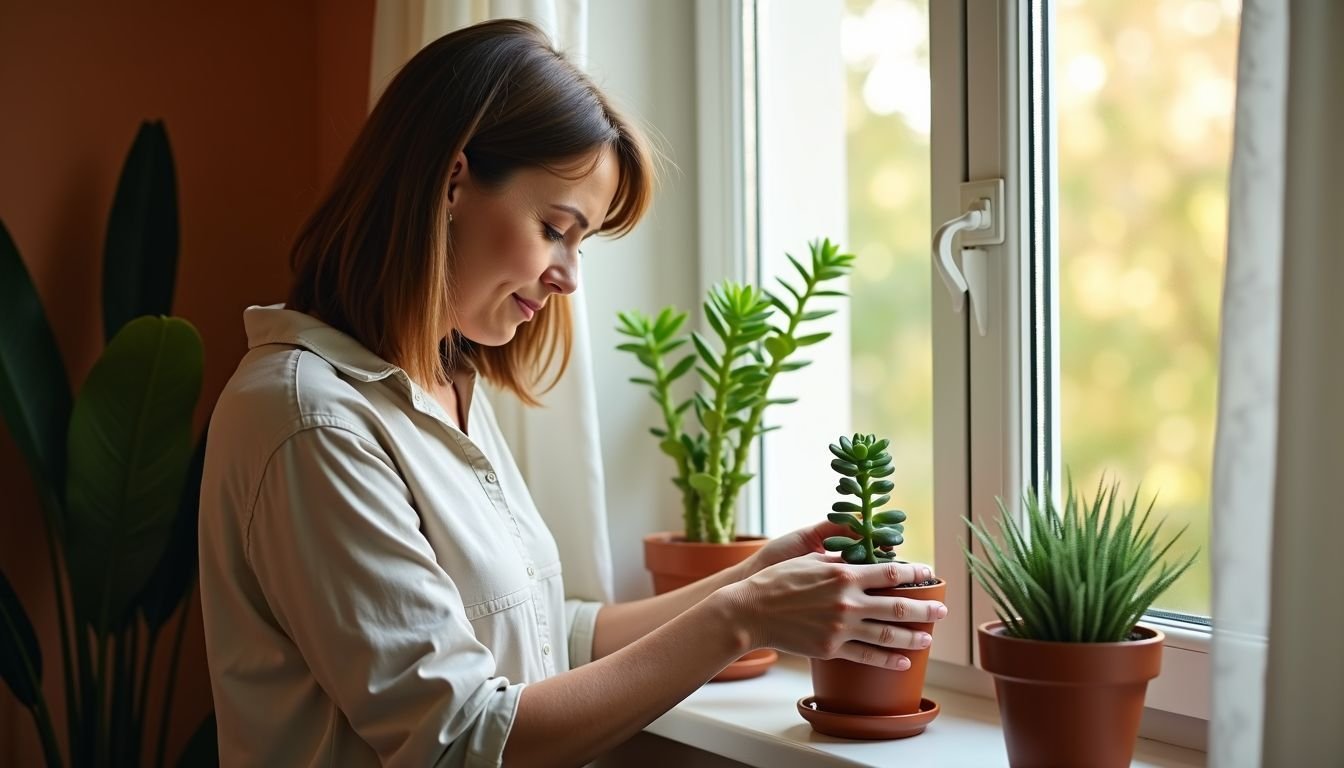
(337, 549)
(581, 621)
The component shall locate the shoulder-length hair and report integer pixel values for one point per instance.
(375, 260)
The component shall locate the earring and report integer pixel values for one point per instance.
(450, 217)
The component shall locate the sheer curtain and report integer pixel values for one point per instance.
(556, 446)
(1278, 688)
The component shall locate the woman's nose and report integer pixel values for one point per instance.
(563, 276)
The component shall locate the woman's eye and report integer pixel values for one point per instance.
(551, 233)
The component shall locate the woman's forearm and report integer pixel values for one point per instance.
(572, 718)
(620, 624)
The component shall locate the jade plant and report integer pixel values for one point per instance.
(756, 336)
(1084, 576)
(863, 464)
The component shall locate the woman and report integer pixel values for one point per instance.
(377, 586)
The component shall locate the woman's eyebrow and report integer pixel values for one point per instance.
(583, 220)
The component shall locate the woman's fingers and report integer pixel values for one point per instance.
(892, 636)
(888, 575)
(901, 609)
(872, 655)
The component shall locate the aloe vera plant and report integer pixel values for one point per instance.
(756, 336)
(1083, 576)
(864, 465)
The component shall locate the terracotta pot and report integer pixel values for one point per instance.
(847, 687)
(1070, 703)
(675, 562)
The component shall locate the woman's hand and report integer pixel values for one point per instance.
(817, 606)
(803, 541)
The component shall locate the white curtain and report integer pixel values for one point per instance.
(1278, 688)
(556, 446)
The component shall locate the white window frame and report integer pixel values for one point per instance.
(982, 414)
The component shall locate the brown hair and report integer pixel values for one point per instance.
(375, 259)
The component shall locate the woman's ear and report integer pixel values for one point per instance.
(457, 176)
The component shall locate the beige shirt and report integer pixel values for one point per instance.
(377, 586)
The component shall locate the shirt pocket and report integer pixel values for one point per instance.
(507, 627)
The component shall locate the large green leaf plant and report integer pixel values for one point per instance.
(756, 336)
(117, 472)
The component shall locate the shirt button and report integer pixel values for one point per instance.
(546, 649)
(531, 571)
(490, 477)
(417, 398)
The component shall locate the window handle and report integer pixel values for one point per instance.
(979, 217)
(982, 224)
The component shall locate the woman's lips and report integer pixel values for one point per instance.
(528, 308)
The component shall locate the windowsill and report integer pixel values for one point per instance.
(756, 722)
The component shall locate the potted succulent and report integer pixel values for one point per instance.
(756, 336)
(1070, 661)
(855, 700)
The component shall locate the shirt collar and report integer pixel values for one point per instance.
(273, 324)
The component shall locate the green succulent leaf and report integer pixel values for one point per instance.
(703, 482)
(844, 467)
(887, 537)
(889, 517)
(837, 543)
(846, 506)
(855, 554)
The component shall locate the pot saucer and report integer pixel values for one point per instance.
(867, 726)
(754, 664)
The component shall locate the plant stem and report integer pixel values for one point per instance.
(672, 420)
(51, 749)
(103, 673)
(867, 513)
(709, 506)
(142, 698)
(68, 671)
(172, 680)
(753, 423)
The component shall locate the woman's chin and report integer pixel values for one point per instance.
(494, 337)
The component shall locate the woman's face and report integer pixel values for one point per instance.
(517, 245)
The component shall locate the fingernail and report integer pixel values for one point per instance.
(903, 664)
(940, 611)
(926, 572)
(925, 641)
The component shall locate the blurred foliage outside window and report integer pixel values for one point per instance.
(1144, 92)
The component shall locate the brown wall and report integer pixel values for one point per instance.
(261, 100)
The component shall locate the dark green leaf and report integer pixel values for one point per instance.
(34, 390)
(172, 580)
(130, 446)
(841, 518)
(20, 655)
(807, 341)
(846, 506)
(140, 257)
